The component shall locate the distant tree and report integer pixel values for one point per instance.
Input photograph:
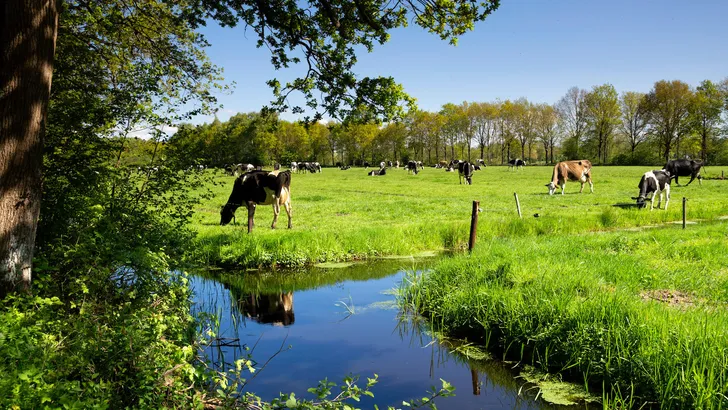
(547, 125)
(525, 124)
(572, 110)
(602, 115)
(705, 115)
(635, 119)
(486, 116)
(669, 104)
(507, 123)
(455, 125)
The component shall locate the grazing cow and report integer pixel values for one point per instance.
(465, 170)
(684, 167)
(344, 167)
(259, 188)
(442, 164)
(480, 162)
(571, 171)
(412, 167)
(366, 164)
(516, 164)
(396, 164)
(294, 166)
(389, 164)
(419, 164)
(655, 183)
(381, 171)
(316, 167)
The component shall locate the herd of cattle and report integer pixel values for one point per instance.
(254, 186)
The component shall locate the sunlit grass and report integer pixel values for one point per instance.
(345, 215)
(589, 307)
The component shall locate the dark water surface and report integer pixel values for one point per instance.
(305, 310)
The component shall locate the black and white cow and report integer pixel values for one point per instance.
(294, 166)
(259, 188)
(465, 170)
(516, 164)
(412, 167)
(243, 168)
(381, 171)
(655, 183)
(366, 164)
(683, 168)
(479, 162)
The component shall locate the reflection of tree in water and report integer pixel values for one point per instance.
(271, 308)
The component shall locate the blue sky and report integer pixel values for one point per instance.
(528, 48)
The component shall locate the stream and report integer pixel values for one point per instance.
(339, 321)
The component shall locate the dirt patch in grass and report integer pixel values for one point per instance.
(674, 298)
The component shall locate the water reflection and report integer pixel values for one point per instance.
(275, 308)
(259, 311)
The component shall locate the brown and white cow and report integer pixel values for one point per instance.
(259, 188)
(579, 170)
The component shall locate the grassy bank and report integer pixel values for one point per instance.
(639, 315)
(344, 215)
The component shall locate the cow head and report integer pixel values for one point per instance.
(552, 188)
(227, 213)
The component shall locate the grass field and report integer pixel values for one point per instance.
(342, 215)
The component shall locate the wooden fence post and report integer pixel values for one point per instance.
(684, 202)
(473, 225)
(518, 205)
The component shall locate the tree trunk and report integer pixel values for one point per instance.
(27, 45)
(27, 41)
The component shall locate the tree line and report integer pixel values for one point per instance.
(672, 120)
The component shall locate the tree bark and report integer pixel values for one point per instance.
(28, 32)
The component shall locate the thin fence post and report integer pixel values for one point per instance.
(473, 225)
(722, 176)
(518, 205)
(685, 200)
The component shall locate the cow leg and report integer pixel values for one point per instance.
(276, 211)
(289, 210)
(591, 184)
(582, 188)
(652, 201)
(659, 200)
(692, 177)
(700, 180)
(667, 195)
(676, 181)
(562, 188)
(251, 214)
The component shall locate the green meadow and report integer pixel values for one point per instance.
(347, 215)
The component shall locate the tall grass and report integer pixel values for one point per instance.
(580, 305)
(345, 215)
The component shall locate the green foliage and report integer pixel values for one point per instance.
(128, 349)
